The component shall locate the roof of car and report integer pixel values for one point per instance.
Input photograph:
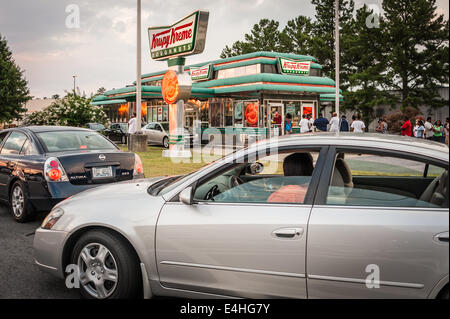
(38, 129)
(374, 140)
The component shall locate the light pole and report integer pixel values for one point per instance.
(74, 86)
(336, 41)
(138, 69)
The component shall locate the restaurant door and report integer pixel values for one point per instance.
(308, 109)
(276, 118)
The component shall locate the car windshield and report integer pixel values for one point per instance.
(59, 141)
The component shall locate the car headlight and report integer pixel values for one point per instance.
(52, 218)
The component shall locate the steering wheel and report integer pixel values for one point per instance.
(235, 181)
(214, 191)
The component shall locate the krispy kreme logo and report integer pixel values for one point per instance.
(288, 66)
(172, 36)
(200, 73)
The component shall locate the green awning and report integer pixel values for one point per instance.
(105, 102)
(330, 97)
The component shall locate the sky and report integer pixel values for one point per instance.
(50, 46)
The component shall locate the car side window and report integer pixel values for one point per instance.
(150, 126)
(282, 178)
(360, 179)
(28, 148)
(13, 143)
(2, 137)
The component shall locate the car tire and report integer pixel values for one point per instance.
(165, 142)
(118, 259)
(19, 205)
(444, 294)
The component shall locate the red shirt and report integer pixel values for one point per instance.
(289, 194)
(406, 128)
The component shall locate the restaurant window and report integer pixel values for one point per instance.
(215, 111)
(239, 71)
(228, 112)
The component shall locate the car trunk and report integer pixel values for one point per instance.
(97, 167)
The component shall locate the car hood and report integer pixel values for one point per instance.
(111, 204)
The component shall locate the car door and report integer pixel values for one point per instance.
(371, 237)
(238, 244)
(149, 130)
(159, 134)
(9, 155)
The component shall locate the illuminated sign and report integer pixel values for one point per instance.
(201, 73)
(185, 37)
(170, 90)
(294, 67)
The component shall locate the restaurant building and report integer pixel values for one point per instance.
(235, 95)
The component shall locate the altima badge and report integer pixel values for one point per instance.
(101, 157)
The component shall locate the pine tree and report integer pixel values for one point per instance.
(296, 37)
(416, 45)
(14, 92)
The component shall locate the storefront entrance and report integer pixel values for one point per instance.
(275, 118)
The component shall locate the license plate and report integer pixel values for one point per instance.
(102, 172)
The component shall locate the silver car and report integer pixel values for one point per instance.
(158, 133)
(305, 216)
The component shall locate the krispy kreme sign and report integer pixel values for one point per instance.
(294, 67)
(184, 37)
(200, 73)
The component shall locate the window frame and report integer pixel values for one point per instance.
(322, 191)
(6, 140)
(312, 187)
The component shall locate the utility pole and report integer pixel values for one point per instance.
(138, 65)
(336, 41)
(74, 86)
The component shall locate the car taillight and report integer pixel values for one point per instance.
(138, 168)
(53, 171)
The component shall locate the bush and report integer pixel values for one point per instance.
(72, 110)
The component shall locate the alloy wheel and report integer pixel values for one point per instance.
(17, 201)
(98, 270)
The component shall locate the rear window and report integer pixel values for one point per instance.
(74, 140)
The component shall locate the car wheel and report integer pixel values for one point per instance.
(444, 294)
(19, 205)
(108, 267)
(166, 142)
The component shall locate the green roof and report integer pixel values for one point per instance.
(246, 56)
(106, 101)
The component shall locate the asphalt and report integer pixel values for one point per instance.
(20, 278)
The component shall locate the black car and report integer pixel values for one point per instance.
(98, 127)
(117, 132)
(43, 165)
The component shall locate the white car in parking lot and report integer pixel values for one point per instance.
(325, 216)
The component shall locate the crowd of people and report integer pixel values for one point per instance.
(436, 131)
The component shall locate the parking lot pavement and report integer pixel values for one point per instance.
(19, 276)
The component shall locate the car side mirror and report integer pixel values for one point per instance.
(255, 168)
(186, 196)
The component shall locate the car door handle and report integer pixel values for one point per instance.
(288, 232)
(442, 237)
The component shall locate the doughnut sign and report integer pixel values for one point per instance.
(184, 37)
(200, 73)
(293, 67)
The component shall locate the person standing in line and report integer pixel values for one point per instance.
(311, 122)
(429, 132)
(288, 124)
(382, 126)
(334, 123)
(406, 127)
(438, 131)
(344, 127)
(446, 129)
(420, 132)
(357, 126)
(321, 123)
(385, 125)
(416, 126)
(305, 124)
(132, 128)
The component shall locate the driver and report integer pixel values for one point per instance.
(296, 164)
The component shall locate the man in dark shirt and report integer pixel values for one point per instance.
(344, 124)
(321, 123)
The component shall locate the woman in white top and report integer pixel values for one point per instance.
(305, 124)
(334, 123)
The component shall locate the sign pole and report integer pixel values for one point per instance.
(337, 55)
(138, 68)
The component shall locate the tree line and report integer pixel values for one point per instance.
(405, 49)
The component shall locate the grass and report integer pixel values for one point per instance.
(157, 165)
